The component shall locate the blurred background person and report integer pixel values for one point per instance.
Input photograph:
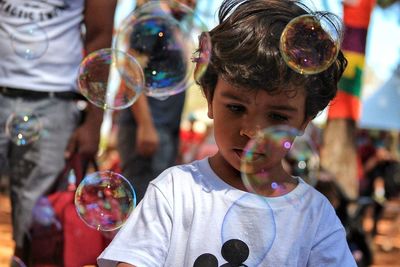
(44, 83)
(148, 131)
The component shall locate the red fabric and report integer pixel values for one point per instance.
(358, 15)
(74, 244)
(82, 244)
(344, 106)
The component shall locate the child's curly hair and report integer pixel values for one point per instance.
(245, 52)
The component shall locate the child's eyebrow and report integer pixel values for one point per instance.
(241, 97)
(284, 108)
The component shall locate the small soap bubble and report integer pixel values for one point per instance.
(309, 44)
(262, 153)
(16, 262)
(104, 200)
(110, 79)
(29, 41)
(164, 38)
(43, 213)
(23, 127)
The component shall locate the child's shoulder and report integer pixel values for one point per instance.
(309, 195)
(183, 173)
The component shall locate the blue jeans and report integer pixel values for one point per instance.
(141, 170)
(33, 168)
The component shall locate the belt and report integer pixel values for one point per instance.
(13, 92)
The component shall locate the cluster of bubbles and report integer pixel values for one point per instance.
(160, 50)
(23, 127)
(310, 43)
(267, 149)
(155, 52)
(104, 200)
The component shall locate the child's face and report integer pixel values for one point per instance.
(239, 113)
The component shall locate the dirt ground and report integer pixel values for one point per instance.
(386, 244)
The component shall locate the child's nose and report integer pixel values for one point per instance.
(250, 132)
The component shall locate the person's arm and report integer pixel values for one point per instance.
(99, 22)
(147, 140)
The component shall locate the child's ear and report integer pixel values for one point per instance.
(210, 109)
(210, 113)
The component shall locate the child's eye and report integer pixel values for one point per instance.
(278, 117)
(235, 108)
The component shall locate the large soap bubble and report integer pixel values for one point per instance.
(104, 200)
(110, 79)
(164, 37)
(309, 44)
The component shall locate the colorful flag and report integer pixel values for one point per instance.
(356, 16)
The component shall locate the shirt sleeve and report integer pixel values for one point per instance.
(144, 239)
(330, 248)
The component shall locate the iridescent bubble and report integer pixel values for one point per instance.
(110, 79)
(265, 151)
(29, 40)
(104, 200)
(164, 37)
(44, 214)
(23, 127)
(309, 44)
(303, 159)
(237, 233)
(16, 262)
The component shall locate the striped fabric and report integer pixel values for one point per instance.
(356, 18)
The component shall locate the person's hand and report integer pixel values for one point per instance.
(147, 140)
(85, 141)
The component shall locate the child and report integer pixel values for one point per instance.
(200, 214)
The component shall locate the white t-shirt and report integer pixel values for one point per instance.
(30, 21)
(189, 214)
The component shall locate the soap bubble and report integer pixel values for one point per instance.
(309, 44)
(262, 154)
(104, 200)
(44, 214)
(23, 127)
(16, 262)
(164, 37)
(110, 79)
(29, 40)
(236, 243)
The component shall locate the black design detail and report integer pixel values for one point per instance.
(206, 260)
(33, 10)
(234, 251)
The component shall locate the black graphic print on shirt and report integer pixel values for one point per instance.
(234, 251)
(33, 10)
